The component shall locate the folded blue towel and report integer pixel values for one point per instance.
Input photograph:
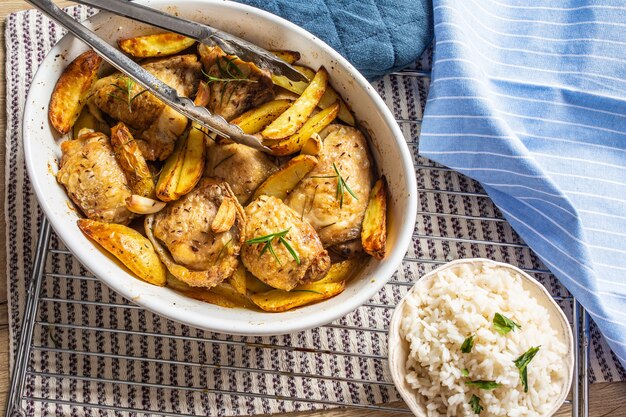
(530, 100)
(376, 36)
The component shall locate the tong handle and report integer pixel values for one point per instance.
(230, 44)
(153, 17)
(158, 88)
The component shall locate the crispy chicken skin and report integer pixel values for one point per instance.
(155, 125)
(242, 167)
(315, 198)
(231, 98)
(267, 215)
(93, 178)
(185, 229)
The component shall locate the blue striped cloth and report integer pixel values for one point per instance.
(529, 98)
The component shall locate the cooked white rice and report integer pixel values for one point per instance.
(462, 301)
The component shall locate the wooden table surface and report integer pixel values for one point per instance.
(606, 400)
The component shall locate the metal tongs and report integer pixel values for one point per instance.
(201, 33)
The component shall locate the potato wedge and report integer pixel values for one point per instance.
(288, 56)
(342, 271)
(313, 146)
(132, 162)
(71, 91)
(224, 294)
(183, 168)
(313, 125)
(161, 44)
(238, 280)
(280, 183)
(374, 227)
(225, 217)
(279, 300)
(85, 120)
(170, 174)
(231, 294)
(255, 285)
(294, 117)
(328, 99)
(255, 120)
(129, 246)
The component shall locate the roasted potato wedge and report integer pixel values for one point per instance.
(313, 146)
(238, 280)
(279, 300)
(132, 162)
(85, 120)
(294, 117)
(183, 168)
(255, 285)
(280, 183)
(295, 142)
(143, 205)
(255, 120)
(129, 246)
(342, 271)
(374, 228)
(288, 56)
(224, 294)
(71, 91)
(157, 45)
(328, 99)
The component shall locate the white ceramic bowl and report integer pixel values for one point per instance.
(399, 348)
(389, 148)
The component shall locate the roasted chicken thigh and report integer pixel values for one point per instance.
(238, 86)
(199, 236)
(333, 196)
(93, 178)
(242, 167)
(295, 254)
(156, 125)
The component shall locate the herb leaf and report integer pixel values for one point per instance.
(487, 385)
(522, 362)
(465, 372)
(267, 240)
(313, 291)
(468, 344)
(127, 90)
(503, 324)
(475, 403)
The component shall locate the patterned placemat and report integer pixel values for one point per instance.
(29, 36)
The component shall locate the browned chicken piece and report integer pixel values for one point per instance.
(155, 125)
(242, 167)
(93, 178)
(322, 199)
(266, 216)
(237, 85)
(199, 236)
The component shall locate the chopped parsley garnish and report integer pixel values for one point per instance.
(503, 324)
(267, 239)
(522, 362)
(465, 372)
(468, 344)
(475, 403)
(487, 385)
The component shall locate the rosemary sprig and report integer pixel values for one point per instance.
(127, 90)
(219, 254)
(224, 160)
(342, 185)
(228, 73)
(268, 239)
